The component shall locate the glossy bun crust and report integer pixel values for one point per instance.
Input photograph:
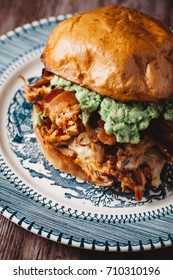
(114, 51)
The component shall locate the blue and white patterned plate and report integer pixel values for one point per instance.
(53, 204)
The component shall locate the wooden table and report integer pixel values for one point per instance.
(15, 242)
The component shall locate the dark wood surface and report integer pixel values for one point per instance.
(16, 242)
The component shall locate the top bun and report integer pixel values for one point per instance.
(114, 51)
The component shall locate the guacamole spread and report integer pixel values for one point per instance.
(124, 120)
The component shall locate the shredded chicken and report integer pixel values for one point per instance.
(63, 111)
(38, 90)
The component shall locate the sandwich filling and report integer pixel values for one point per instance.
(111, 141)
(125, 121)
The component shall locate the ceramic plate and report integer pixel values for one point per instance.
(53, 204)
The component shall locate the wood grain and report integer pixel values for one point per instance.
(15, 242)
(14, 13)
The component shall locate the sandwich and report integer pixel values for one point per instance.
(103, 107)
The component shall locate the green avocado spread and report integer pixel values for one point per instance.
(124, 120)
